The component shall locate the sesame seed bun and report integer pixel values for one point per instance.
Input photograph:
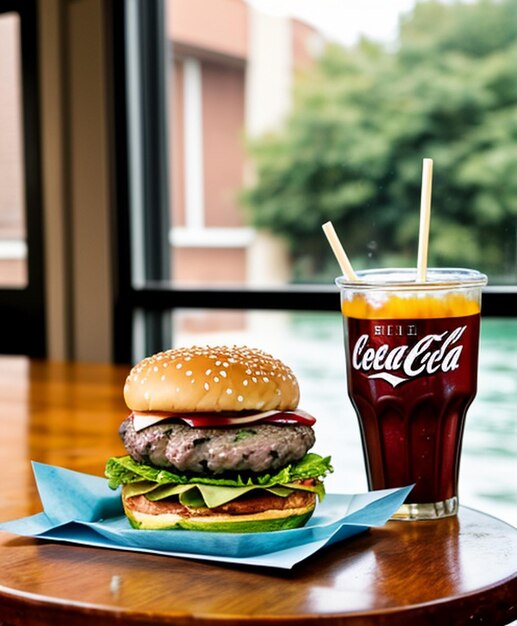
(200, 379)
(253, 523)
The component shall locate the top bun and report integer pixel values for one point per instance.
(197, 379)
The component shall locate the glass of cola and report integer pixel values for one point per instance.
(412, 359)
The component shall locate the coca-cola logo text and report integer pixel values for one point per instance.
(429, 355)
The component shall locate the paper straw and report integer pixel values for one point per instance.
(339, 251)
(425, 219)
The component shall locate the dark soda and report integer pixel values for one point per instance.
(411, 382)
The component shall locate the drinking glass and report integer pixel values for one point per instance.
(412, 359)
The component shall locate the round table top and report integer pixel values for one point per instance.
(462, 569)
(459, 570)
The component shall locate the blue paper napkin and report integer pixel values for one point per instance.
(80, 508)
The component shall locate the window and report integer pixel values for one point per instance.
(22, 302)
(231, 175)
(202, 105)
(13, 252)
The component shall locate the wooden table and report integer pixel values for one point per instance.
(456, 571)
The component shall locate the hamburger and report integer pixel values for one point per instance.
(215, 442)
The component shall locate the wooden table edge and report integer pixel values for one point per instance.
(21, 608)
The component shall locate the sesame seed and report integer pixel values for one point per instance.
(265, 379)
(162, 378)
(155, 368)
(229, 391)
(218, 363)
(179, 366)
(223, 373)
(245, 382)
(208, 372)
(240, 398)
(206, 386)
(254, 379)
(225, 364)
(216, 380)
(188, 373)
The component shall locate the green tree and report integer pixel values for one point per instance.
(363, 119)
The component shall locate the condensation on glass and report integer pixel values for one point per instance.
(13, 245)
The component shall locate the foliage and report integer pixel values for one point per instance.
(363, 119)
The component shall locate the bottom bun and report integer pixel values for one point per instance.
(264, 521)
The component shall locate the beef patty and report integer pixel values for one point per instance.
(256, 448)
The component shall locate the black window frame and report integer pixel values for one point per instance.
(22, 310)
(155, 299)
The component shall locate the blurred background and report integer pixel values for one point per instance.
(166, 165)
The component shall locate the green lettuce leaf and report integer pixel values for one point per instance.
(212, 491)
(209, 495)
(123, 470)
(200, 495)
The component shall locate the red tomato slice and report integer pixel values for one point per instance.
(272, 417)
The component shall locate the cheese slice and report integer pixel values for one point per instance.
(143, 420)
